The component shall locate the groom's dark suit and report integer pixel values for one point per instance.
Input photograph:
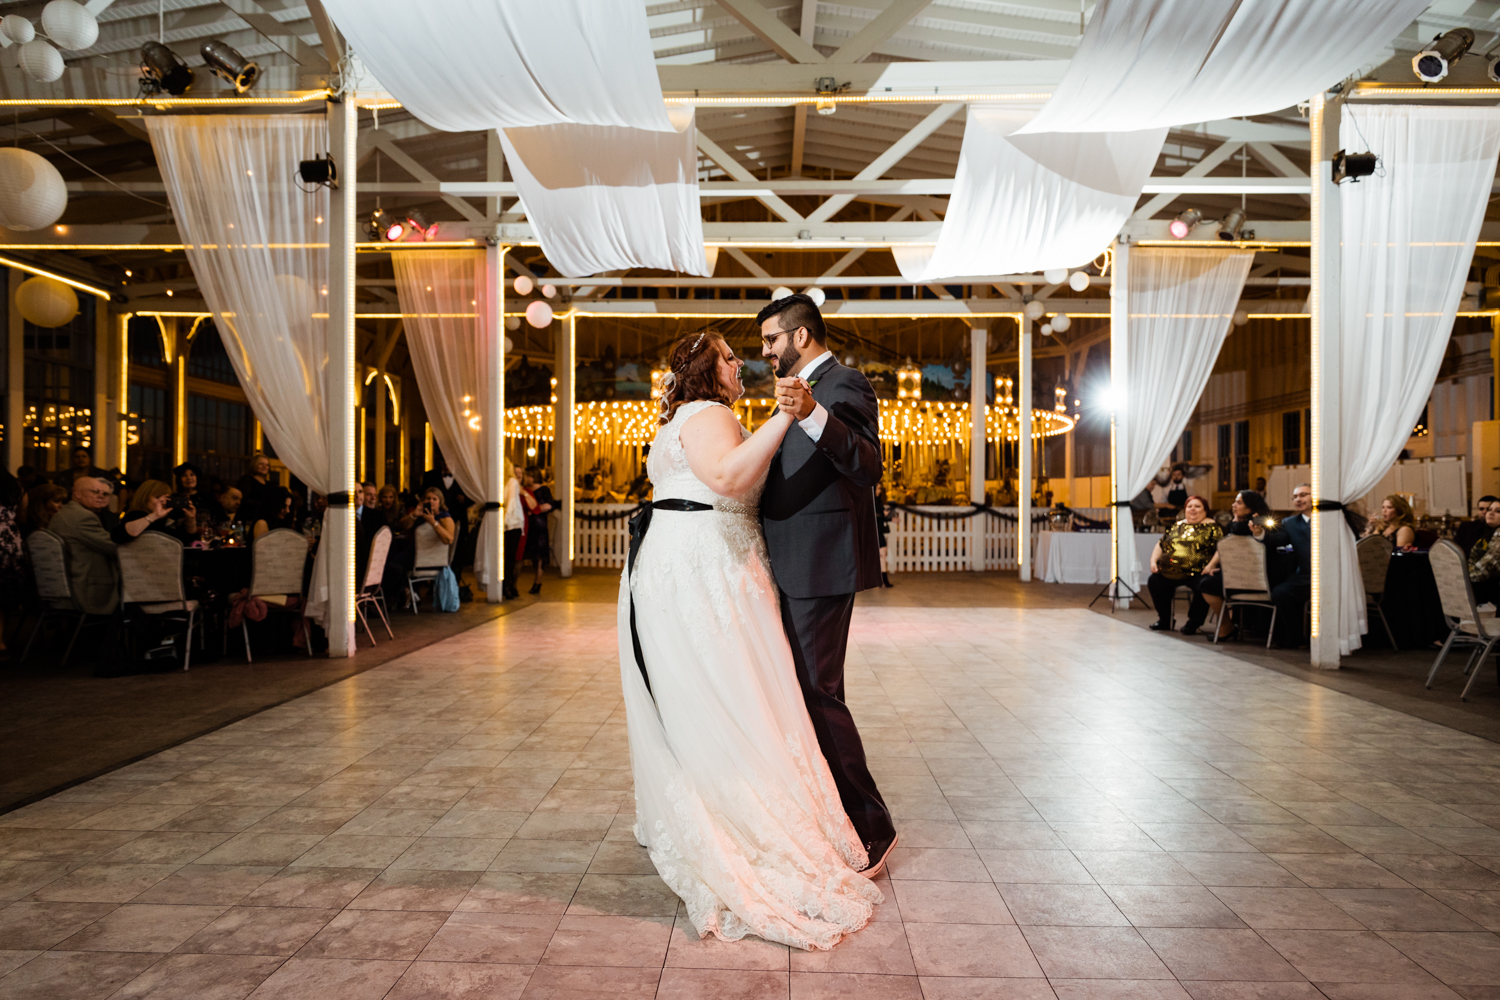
(818, 512)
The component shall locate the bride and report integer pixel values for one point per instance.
(733, 797)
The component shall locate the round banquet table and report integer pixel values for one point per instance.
(1083, 557)
(221, 571)
(1411, 604)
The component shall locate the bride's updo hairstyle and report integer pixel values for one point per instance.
(693, 373)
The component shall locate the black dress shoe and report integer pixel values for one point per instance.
(1161, 626)
(1189, 629)
(879, 851)
(536, 588)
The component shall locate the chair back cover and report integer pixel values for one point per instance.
(278, 558)
(1451, 572)
(1374, 553)
(1242, 560)
(151, 569)
(380, 547)
(432, 553)
(49, 564)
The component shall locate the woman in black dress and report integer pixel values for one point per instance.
(1208, 592)
(537, 548)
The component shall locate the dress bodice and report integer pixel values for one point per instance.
(673, 478)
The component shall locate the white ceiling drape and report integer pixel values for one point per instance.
(444, 295)
(472, 65)
(1408, 237)
(1153, 63)
(257, 243)
(1029, 202)
(602, 198)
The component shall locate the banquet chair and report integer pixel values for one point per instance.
(151, 580)
(1450, 569)
(49, 567)
(371, 593)
(277, 561)
(1242, 562)
(432, 556)
(1374, 554)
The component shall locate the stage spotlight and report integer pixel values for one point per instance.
(1432, 63)
(230, 65)
(1353, 166)
(1492, 68)
(1231, 224)
(320, 170)
(1183, 225)
(417, 220)
(386, 227)
(162, 69)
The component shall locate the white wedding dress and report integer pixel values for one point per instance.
(733, 797)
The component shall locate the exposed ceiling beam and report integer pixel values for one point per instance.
(770, 28)
(1281, 164)
(735, 169)
(749, 264)
(1203, 166)
(874, 34)
(889, 158)
(253, 14)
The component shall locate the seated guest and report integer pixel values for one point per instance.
(189, 482)
(1180, 557)
(41, 503)
(255, 485)
(1395, 522)
(272, 513)
(1484, 559)
(368, 519)
(29, 478)
(93, 568)
(1289, 566)
(229, 502)
(432, 511)
(1472, 531)
(1208, 594)
(399, 517)
(151, 510)
(82, 465)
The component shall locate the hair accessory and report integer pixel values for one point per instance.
(696, 344)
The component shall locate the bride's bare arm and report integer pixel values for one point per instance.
(721, 456)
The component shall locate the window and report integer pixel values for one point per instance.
(1225, 460)
(58, 369)
(1242, 454)
(208, 359)
(1291, 438)
(218, 436)
(148, 448)
(1186, 446)
(145, 343)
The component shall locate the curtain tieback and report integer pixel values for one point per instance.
(342, 498)
(1327, 505)
(492, 505)
(1121, 503)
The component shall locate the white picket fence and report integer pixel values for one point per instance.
(917, 544)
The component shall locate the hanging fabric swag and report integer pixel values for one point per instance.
(1029, 202)
(1153, 63)
(444, 295)
(250, 231)
(1408, 237)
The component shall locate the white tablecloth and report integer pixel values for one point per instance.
(1083, 557)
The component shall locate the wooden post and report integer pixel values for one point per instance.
(1122, 526)
(979, 377)
(1024, 451)
(15, 379)
(493, 420)
(1323, 304)
(343, 394)
(565, 339)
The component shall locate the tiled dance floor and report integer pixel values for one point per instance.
(1086, 810)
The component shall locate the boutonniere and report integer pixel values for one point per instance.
(813, 382)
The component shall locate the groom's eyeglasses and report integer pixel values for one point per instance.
(771, 341)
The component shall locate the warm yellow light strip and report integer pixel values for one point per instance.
(1237, 244)
(290, 97)
(124, 394)
(771, 100)
(42, 272)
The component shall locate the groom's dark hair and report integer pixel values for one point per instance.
(796, 310)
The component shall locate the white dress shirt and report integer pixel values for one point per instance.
(815, 421)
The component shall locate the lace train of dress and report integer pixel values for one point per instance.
(734, 800)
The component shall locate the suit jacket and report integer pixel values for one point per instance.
(93, 568)
(818, 508)
(367, 521)
(1297, 533)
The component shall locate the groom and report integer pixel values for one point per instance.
(818, 512)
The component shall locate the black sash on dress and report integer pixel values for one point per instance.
(639, 525)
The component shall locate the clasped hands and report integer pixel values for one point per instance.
(794, 397)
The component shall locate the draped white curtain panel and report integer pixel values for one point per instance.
(444, 296)
(1181, 303)
(1152, 63)
(250, 229)
(1408, 238)
(1029, 202)
(603, 198)
(473, 65)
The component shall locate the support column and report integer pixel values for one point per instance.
(15, 378)
(494, 415)
(1323, 304)
(403, 439)
(100, 421)
(1024, 450)
(343, 394)
(120, 438)
(979, 378)
(565, 340)
(176, 342)
(382, 425)
(1122, 528)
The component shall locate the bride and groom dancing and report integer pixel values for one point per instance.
(751, 789)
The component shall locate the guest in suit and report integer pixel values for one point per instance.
(1289, 564)
(93, 568)
(818, 514)
(1473, 530)
(368, 519)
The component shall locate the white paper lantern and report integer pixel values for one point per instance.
(1061, 322)
(539, 314)
(1055, 275)
(509, 345)
(780, 292)
(33, 194)
(69, 25)
(817, 295)
(523, 284)
(1241, 317)
(296, 297)
(1078, 281)
(17, 28)
(41, 61)
(1035, 308)
(1046, 329)
(513, 322)
(549, 291)
(46, 302)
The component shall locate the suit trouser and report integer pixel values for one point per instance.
(512, 543)
(1290, 597)
(818, 628)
